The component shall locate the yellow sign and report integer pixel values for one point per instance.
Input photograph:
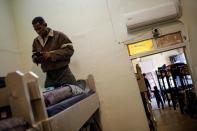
(140, 47)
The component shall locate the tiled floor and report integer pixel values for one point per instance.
(169, 119)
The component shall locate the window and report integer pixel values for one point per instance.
(140, 47)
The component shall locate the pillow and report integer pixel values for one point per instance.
(57, 95)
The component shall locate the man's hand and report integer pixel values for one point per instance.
(37, 57)
(41, 57)
(46, 55)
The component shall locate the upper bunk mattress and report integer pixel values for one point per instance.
(54, 109)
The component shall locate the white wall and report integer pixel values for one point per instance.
(9, 53)
(157, 60)
(88, 24)
(190, 19)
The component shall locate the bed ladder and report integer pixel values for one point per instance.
(24, 96)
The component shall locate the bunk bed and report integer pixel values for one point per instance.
(27, 101)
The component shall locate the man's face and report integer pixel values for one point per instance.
(41, 29)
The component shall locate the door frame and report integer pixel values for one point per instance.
(165, 29)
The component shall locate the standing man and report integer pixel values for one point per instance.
(53, 50)
(158, 97)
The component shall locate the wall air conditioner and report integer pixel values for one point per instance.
(171, 10)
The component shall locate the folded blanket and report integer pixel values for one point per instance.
(54, 96)
(57, 95)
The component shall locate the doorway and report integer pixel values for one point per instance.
(170, 73)
(166, 70)
(165, 62)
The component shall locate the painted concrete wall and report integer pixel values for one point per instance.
(88, 24)
(157, 60)
(9, 53)
(190, 19)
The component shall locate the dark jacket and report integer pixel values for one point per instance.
(60, 48)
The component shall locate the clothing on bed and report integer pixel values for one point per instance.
(76, 90)
(52, 97)
(82, 84)
(61, 93)
(65, 96)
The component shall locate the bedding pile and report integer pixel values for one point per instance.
(52, 97)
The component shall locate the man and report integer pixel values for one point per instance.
(53, 50)
(158, 97)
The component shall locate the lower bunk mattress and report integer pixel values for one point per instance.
(54, 109)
